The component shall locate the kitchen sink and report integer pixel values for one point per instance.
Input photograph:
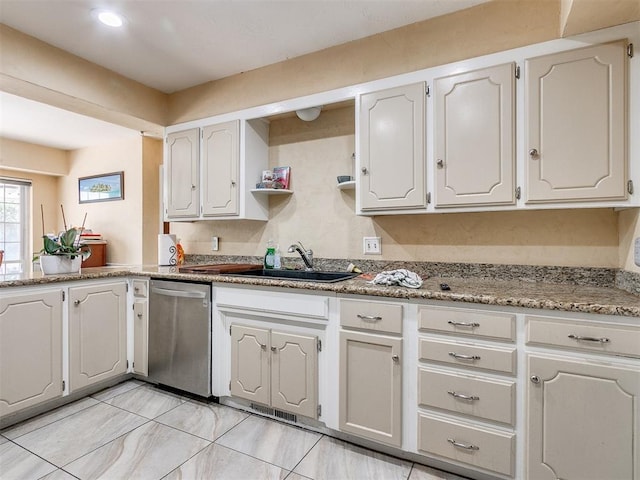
(297, 275)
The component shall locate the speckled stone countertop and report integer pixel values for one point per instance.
(512, 293)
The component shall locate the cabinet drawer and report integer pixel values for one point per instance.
(378, 316)
(140, 289)
(604, 338)
(500, 359)
(477, 446)
(477, 396)
(468, 322)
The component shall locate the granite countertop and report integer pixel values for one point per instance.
(542, 295)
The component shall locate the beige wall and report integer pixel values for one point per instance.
(323, 217)
(118, 221)
(151, 199)
(629, 230)
(32, 158)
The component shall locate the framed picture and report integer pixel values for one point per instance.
(101, 188)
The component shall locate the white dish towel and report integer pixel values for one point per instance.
(401, 277)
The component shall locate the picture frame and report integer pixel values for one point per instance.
(105, 187)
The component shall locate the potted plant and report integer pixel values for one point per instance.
(63, 254)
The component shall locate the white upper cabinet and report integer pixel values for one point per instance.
(181, 174)
(475, 137)
(220, 168)
(575, 125)
(210, 171)
(392, 152)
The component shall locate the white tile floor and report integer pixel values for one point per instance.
(136, 431)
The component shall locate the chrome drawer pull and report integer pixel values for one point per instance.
(369, 318)
(463, 324)
(462, 445)
(464, 357)
(588, 339)
(463, 396)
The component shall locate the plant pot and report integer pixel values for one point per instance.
(57, 264)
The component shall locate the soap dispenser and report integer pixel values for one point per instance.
(270, 255)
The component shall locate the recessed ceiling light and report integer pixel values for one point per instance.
(109, 18)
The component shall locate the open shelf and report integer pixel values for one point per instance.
(347, 185)
(272, 191)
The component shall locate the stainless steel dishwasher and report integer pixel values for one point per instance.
(180, 335)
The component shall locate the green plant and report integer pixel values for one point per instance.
(67, 244)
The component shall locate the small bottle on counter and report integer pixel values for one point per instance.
(270, 255)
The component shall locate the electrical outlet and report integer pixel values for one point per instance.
(636, 252)
(371, 246)
(215, 244)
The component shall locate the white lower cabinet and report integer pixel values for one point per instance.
(370, 384)
(583, 410)
(30, 349)
(467, 392)
(140, 327)
(275, 368)
(97, 333)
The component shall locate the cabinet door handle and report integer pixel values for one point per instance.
(535, 379)
(395, 358)
(136, 289)
(369, 318)
(463, 396)
(466, 446)
(193, 187)
(263, 347)
(139, 315)
(274, 349)
(463, 324)
(461, 356)
(233, 184)
(364, 170)
(440, 163)
(76, 303)
(533, 153)
(580, 338)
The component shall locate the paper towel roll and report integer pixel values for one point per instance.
(167, 251)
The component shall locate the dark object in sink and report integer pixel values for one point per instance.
(299, 275)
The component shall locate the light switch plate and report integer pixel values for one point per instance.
(636, 252)
(371, 246)
(215, 244)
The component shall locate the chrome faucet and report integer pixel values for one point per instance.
(307, 255)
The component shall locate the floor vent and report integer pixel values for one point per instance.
(289, 417)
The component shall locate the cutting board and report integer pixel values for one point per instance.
(218, 268)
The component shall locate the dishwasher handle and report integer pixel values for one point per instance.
(178, 293)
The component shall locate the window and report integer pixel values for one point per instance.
(15, 206)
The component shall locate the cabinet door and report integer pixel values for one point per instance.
(371, 386)
(220, 168)
(392, 138)
(30, 349)
(475, 137)
(583, 419)
(140, 337)
(97, 333)
(181, 174)
(576, 126)
(250, 369)
(294, 373)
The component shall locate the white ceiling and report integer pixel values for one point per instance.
(175, 44)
